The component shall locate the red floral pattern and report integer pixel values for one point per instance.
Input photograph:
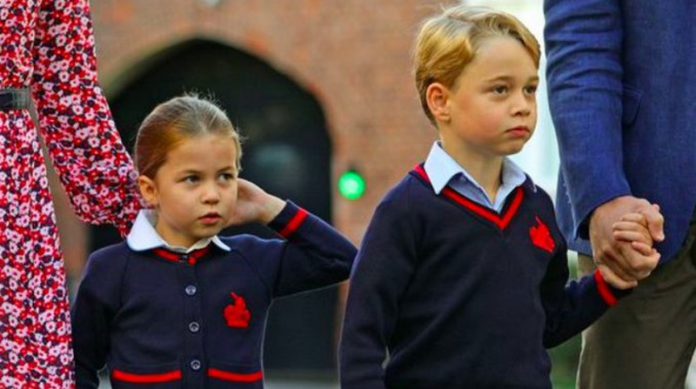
(48, 45)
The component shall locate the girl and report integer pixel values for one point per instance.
(175, 305)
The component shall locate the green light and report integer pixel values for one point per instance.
(351, 185)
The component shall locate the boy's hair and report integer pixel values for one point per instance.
(174, 121)
(448, 42)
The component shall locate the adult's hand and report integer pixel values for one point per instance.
(620, 263)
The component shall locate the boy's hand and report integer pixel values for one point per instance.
(627, 262)
(254, 205)
(631, 228)
(612, 279)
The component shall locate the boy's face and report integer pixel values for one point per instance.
(195, 190)
(492, 107)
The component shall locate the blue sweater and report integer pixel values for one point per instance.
(197, 321)
(461, 296)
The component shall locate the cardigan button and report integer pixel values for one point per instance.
(191, 290)
(195, 365)
(194, 326)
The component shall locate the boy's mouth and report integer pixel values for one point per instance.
(520, 131)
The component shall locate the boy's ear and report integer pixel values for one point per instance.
(437, 96)
(148, 190)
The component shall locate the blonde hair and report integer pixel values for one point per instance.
(448, 42)
(174, 121)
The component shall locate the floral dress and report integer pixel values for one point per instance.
(48, 46)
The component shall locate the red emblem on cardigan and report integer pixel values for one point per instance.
(237, 314)
(541, 236)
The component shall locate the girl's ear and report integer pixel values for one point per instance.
(437, 97)
(148, 190)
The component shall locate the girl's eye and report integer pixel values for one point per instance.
(226, 177)
(191, 179)
(500, 90)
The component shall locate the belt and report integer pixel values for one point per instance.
(14, 99)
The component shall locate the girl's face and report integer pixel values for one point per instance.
(195, 190)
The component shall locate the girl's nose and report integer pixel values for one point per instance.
(211, 194)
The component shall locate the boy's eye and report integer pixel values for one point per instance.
(191, 179)
(530, 90)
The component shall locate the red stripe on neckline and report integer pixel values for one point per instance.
(500, 222)
(235, 377)
(166, 254)
(146, 378)
(192, 258)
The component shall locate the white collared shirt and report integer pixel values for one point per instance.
(443, 170)
(143, 236)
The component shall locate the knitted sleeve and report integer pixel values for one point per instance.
(314, 253)
(95, 306)
(384, 265)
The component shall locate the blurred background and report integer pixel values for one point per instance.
(318, 88)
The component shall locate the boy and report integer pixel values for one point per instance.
(462, 272)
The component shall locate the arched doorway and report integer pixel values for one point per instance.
(287, 151)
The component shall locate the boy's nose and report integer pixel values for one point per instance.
(524, 110)
(522, 106)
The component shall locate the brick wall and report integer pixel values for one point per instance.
(355, 56)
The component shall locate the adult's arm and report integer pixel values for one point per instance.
(584, 50)
(75, 121)
(583, 47)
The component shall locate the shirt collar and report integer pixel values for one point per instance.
(441, 168)
(143, 236)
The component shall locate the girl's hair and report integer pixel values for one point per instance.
(448, 42)
(174, 121)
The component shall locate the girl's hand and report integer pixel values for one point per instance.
(254, 205)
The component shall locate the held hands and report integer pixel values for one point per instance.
(254, 205)
(622, 233)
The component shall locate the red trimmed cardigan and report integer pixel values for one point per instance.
(169, 320)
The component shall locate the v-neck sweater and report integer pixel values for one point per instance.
(460, 295)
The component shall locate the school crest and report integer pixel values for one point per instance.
(236, 314)
(541, 236)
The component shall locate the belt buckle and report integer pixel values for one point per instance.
(13, 99)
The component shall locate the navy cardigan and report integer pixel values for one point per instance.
(167, 320)
(461, 296)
